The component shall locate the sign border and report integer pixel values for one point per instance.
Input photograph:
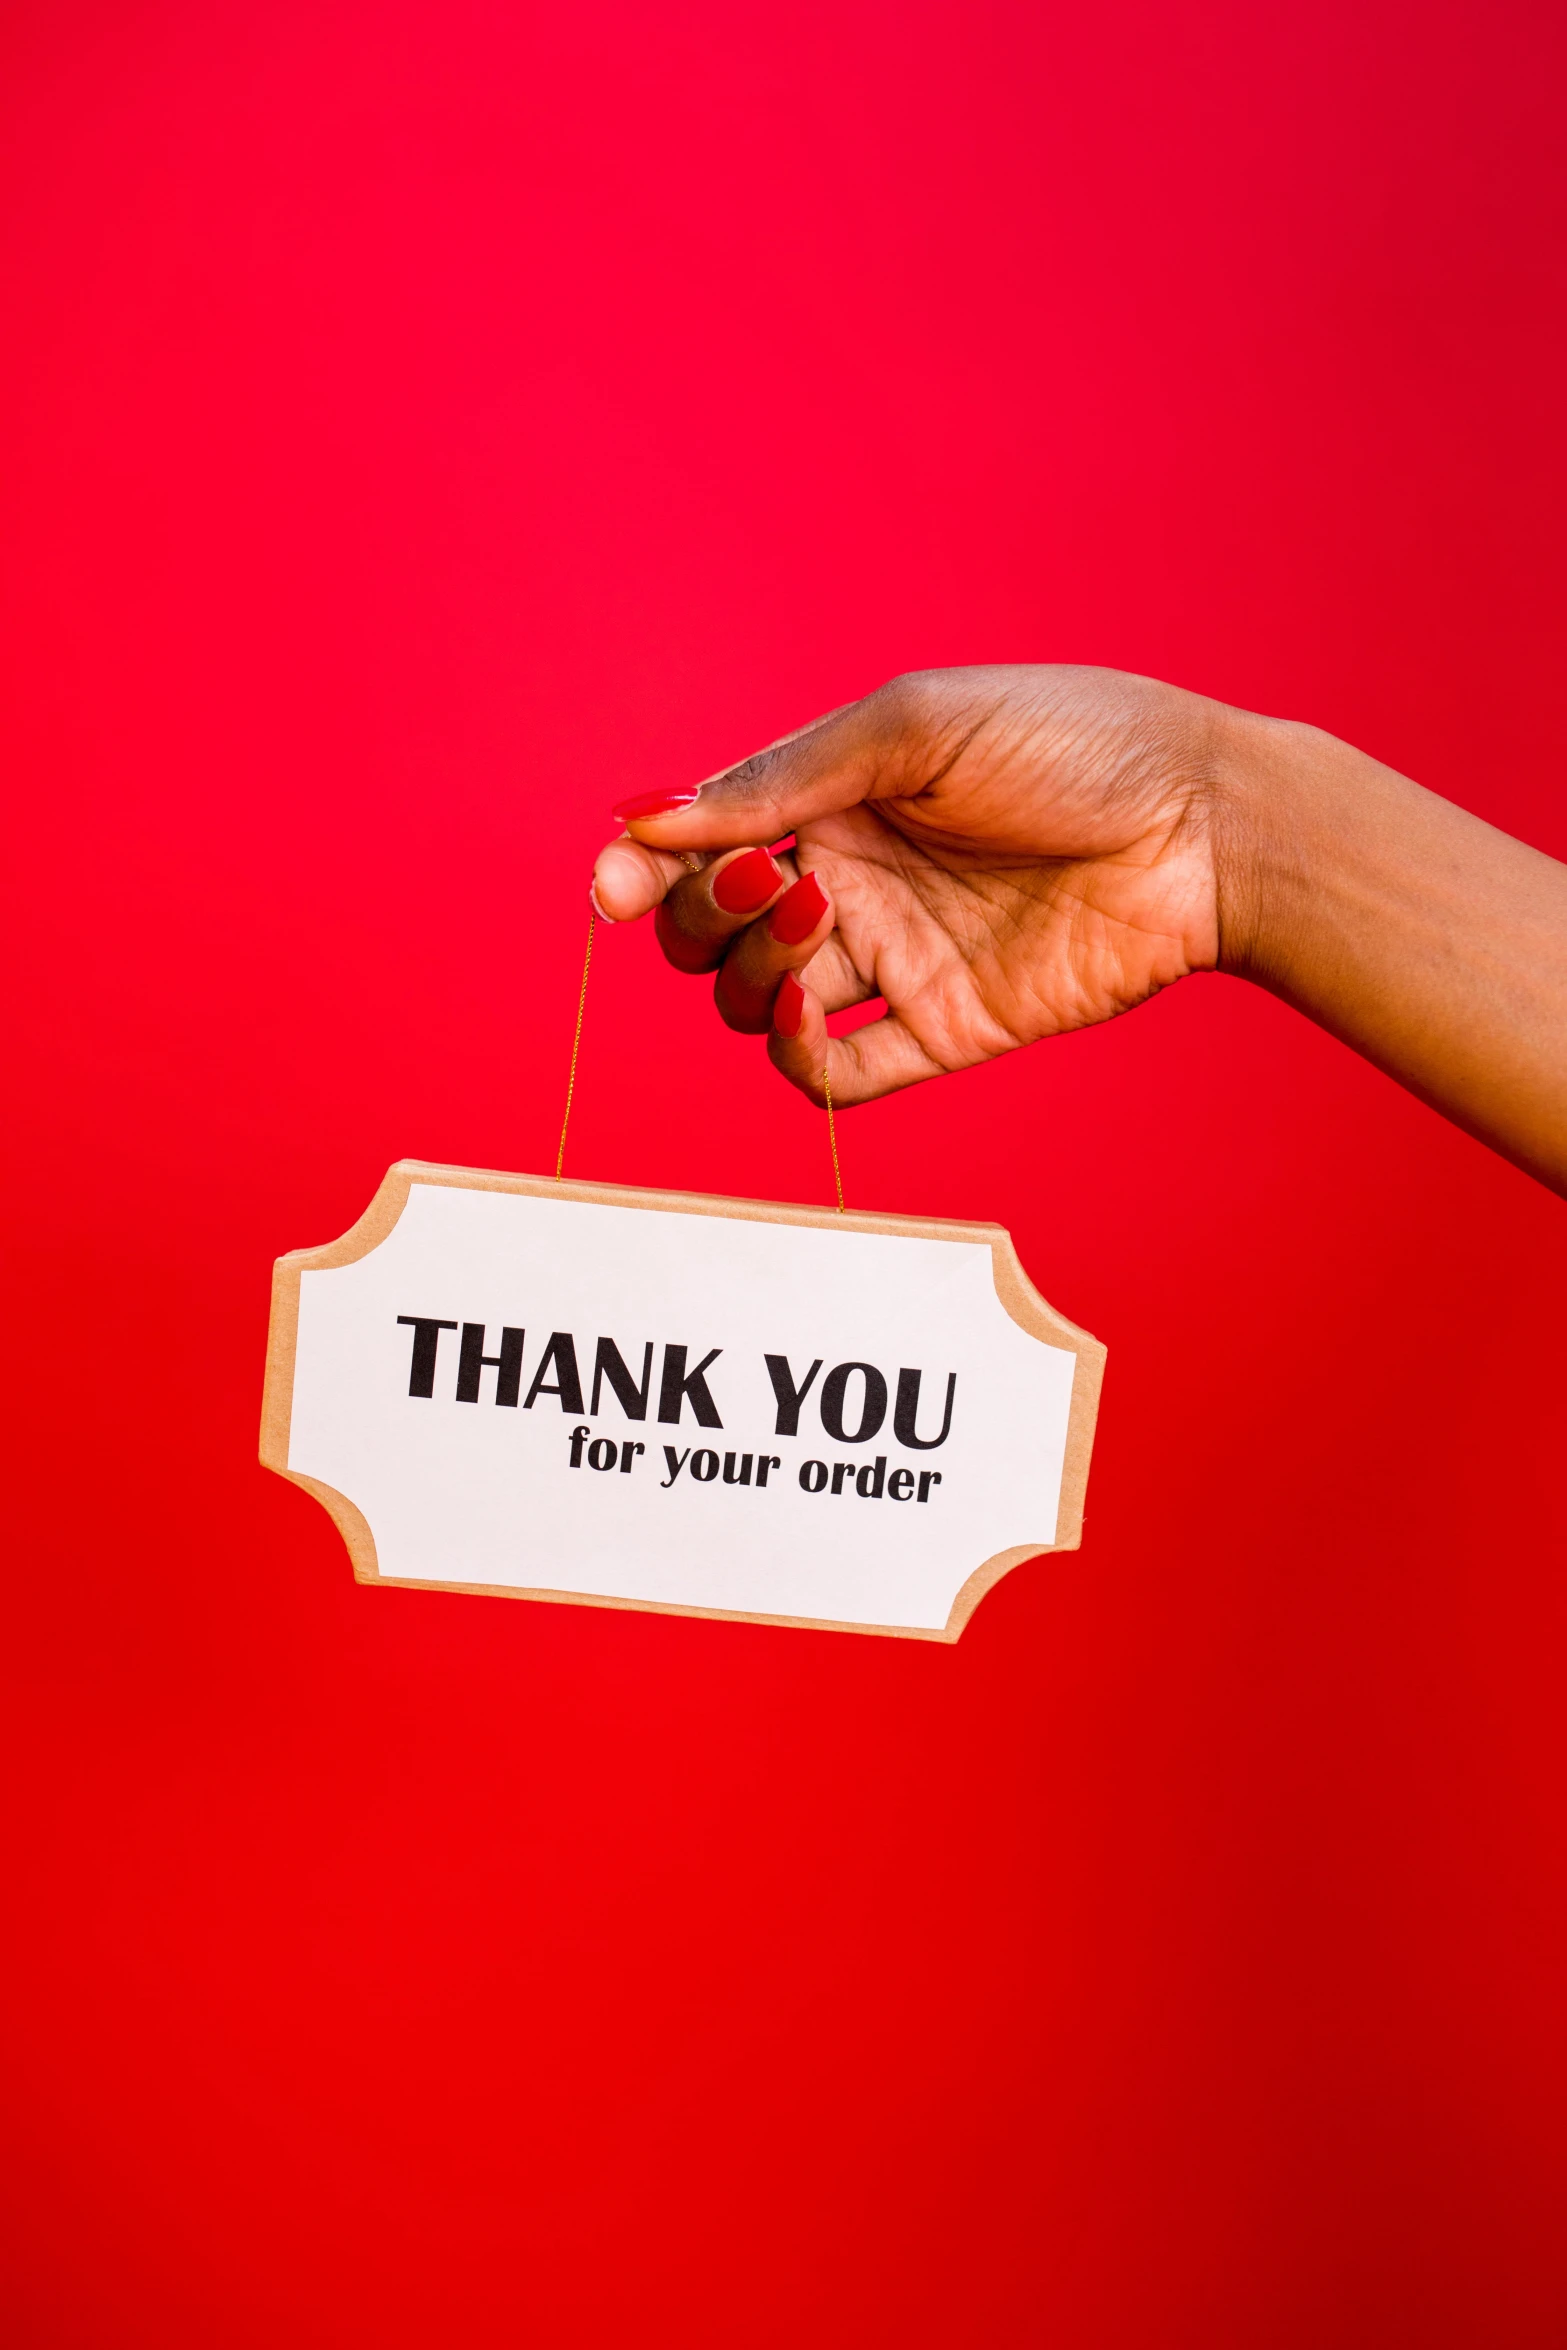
(1016, 1292)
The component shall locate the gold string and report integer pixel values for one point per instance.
(576, 1044)
(576, 1047)
(832, 1139)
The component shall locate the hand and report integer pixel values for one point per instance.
(1000, 854)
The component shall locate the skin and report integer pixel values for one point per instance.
(1010, 853)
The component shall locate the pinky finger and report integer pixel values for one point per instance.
(799, 1043)
(879, 1058)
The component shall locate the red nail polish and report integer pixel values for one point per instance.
(797, 912)
(654, 803)
(789, 1006)
(745, 886)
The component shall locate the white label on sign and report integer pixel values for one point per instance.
(533, 1390)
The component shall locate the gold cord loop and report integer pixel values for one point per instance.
(576, 1048)
(832, 1138)
(576, 1044)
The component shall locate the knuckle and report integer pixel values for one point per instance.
(908, 699)
(780, 1051)
(753, 778)
(680, 948)
(739, 1011)
(742, 1002)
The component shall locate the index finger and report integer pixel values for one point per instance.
(873, 749)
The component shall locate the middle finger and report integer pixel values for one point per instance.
(701, 914)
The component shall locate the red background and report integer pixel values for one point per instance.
(421, 426)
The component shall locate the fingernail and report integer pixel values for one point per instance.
(789, 1006)
(593, 901)
(797, 912)
(654, 803)
(747, 884)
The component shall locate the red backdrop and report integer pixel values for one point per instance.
(422, 425)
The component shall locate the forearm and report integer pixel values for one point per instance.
(1432, 943)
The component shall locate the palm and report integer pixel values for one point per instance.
(1040, 884)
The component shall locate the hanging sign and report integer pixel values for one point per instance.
(575, 1391)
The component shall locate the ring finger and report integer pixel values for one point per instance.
(702, 913)
(797, 929)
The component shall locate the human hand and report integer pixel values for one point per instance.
(1001, 854)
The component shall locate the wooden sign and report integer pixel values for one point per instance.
(575, 1391)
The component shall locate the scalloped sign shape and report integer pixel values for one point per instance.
(580, 1392)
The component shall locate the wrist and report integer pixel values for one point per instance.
(1273, 782)
(1411, 930)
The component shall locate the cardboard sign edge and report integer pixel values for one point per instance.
(1018, 1296)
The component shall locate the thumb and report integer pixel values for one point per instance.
(863, 751)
